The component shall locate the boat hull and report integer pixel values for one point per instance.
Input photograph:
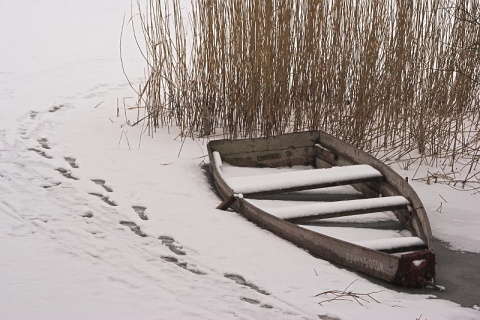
(322, 151)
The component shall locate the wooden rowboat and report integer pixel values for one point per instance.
(301, 186)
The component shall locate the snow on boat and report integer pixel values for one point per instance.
(328, 197)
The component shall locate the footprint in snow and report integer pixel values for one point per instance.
(40, 152)
(254, 301)
(88, 215)
(327, 317)
(66, 173)
(170, 243)
(183, 265)
(33, 114)
(51, 185)
(104, 199)
(140, 211)
(56, 108)
(101, 183)
(133, 226)
(44, 143)
(72, 162)
(241, 280)
(23, 133)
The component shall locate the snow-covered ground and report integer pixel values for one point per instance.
(94, 227)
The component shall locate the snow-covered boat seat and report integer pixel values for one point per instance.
(392, 244)
(304, 211)
(300, 180)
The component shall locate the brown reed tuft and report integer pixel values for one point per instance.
(391, 77)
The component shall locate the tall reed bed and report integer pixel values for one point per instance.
(391, 77)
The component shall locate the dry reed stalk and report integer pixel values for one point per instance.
(390, 77)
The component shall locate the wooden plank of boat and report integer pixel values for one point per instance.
(303, 180)
(330, 151)
(393, 245)
(400, 270)
(384, 240)
(308, 211)
(320, 150)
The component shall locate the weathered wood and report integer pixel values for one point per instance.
(361, 207)
(318, 197)
(375, 263)
(394, 244)
(227, 203)
(303, 180)
(416, 220)
(410, 269)
(405, 250)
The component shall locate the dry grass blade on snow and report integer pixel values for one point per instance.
(348, 295)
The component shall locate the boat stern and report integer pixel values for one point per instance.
(416, 269)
